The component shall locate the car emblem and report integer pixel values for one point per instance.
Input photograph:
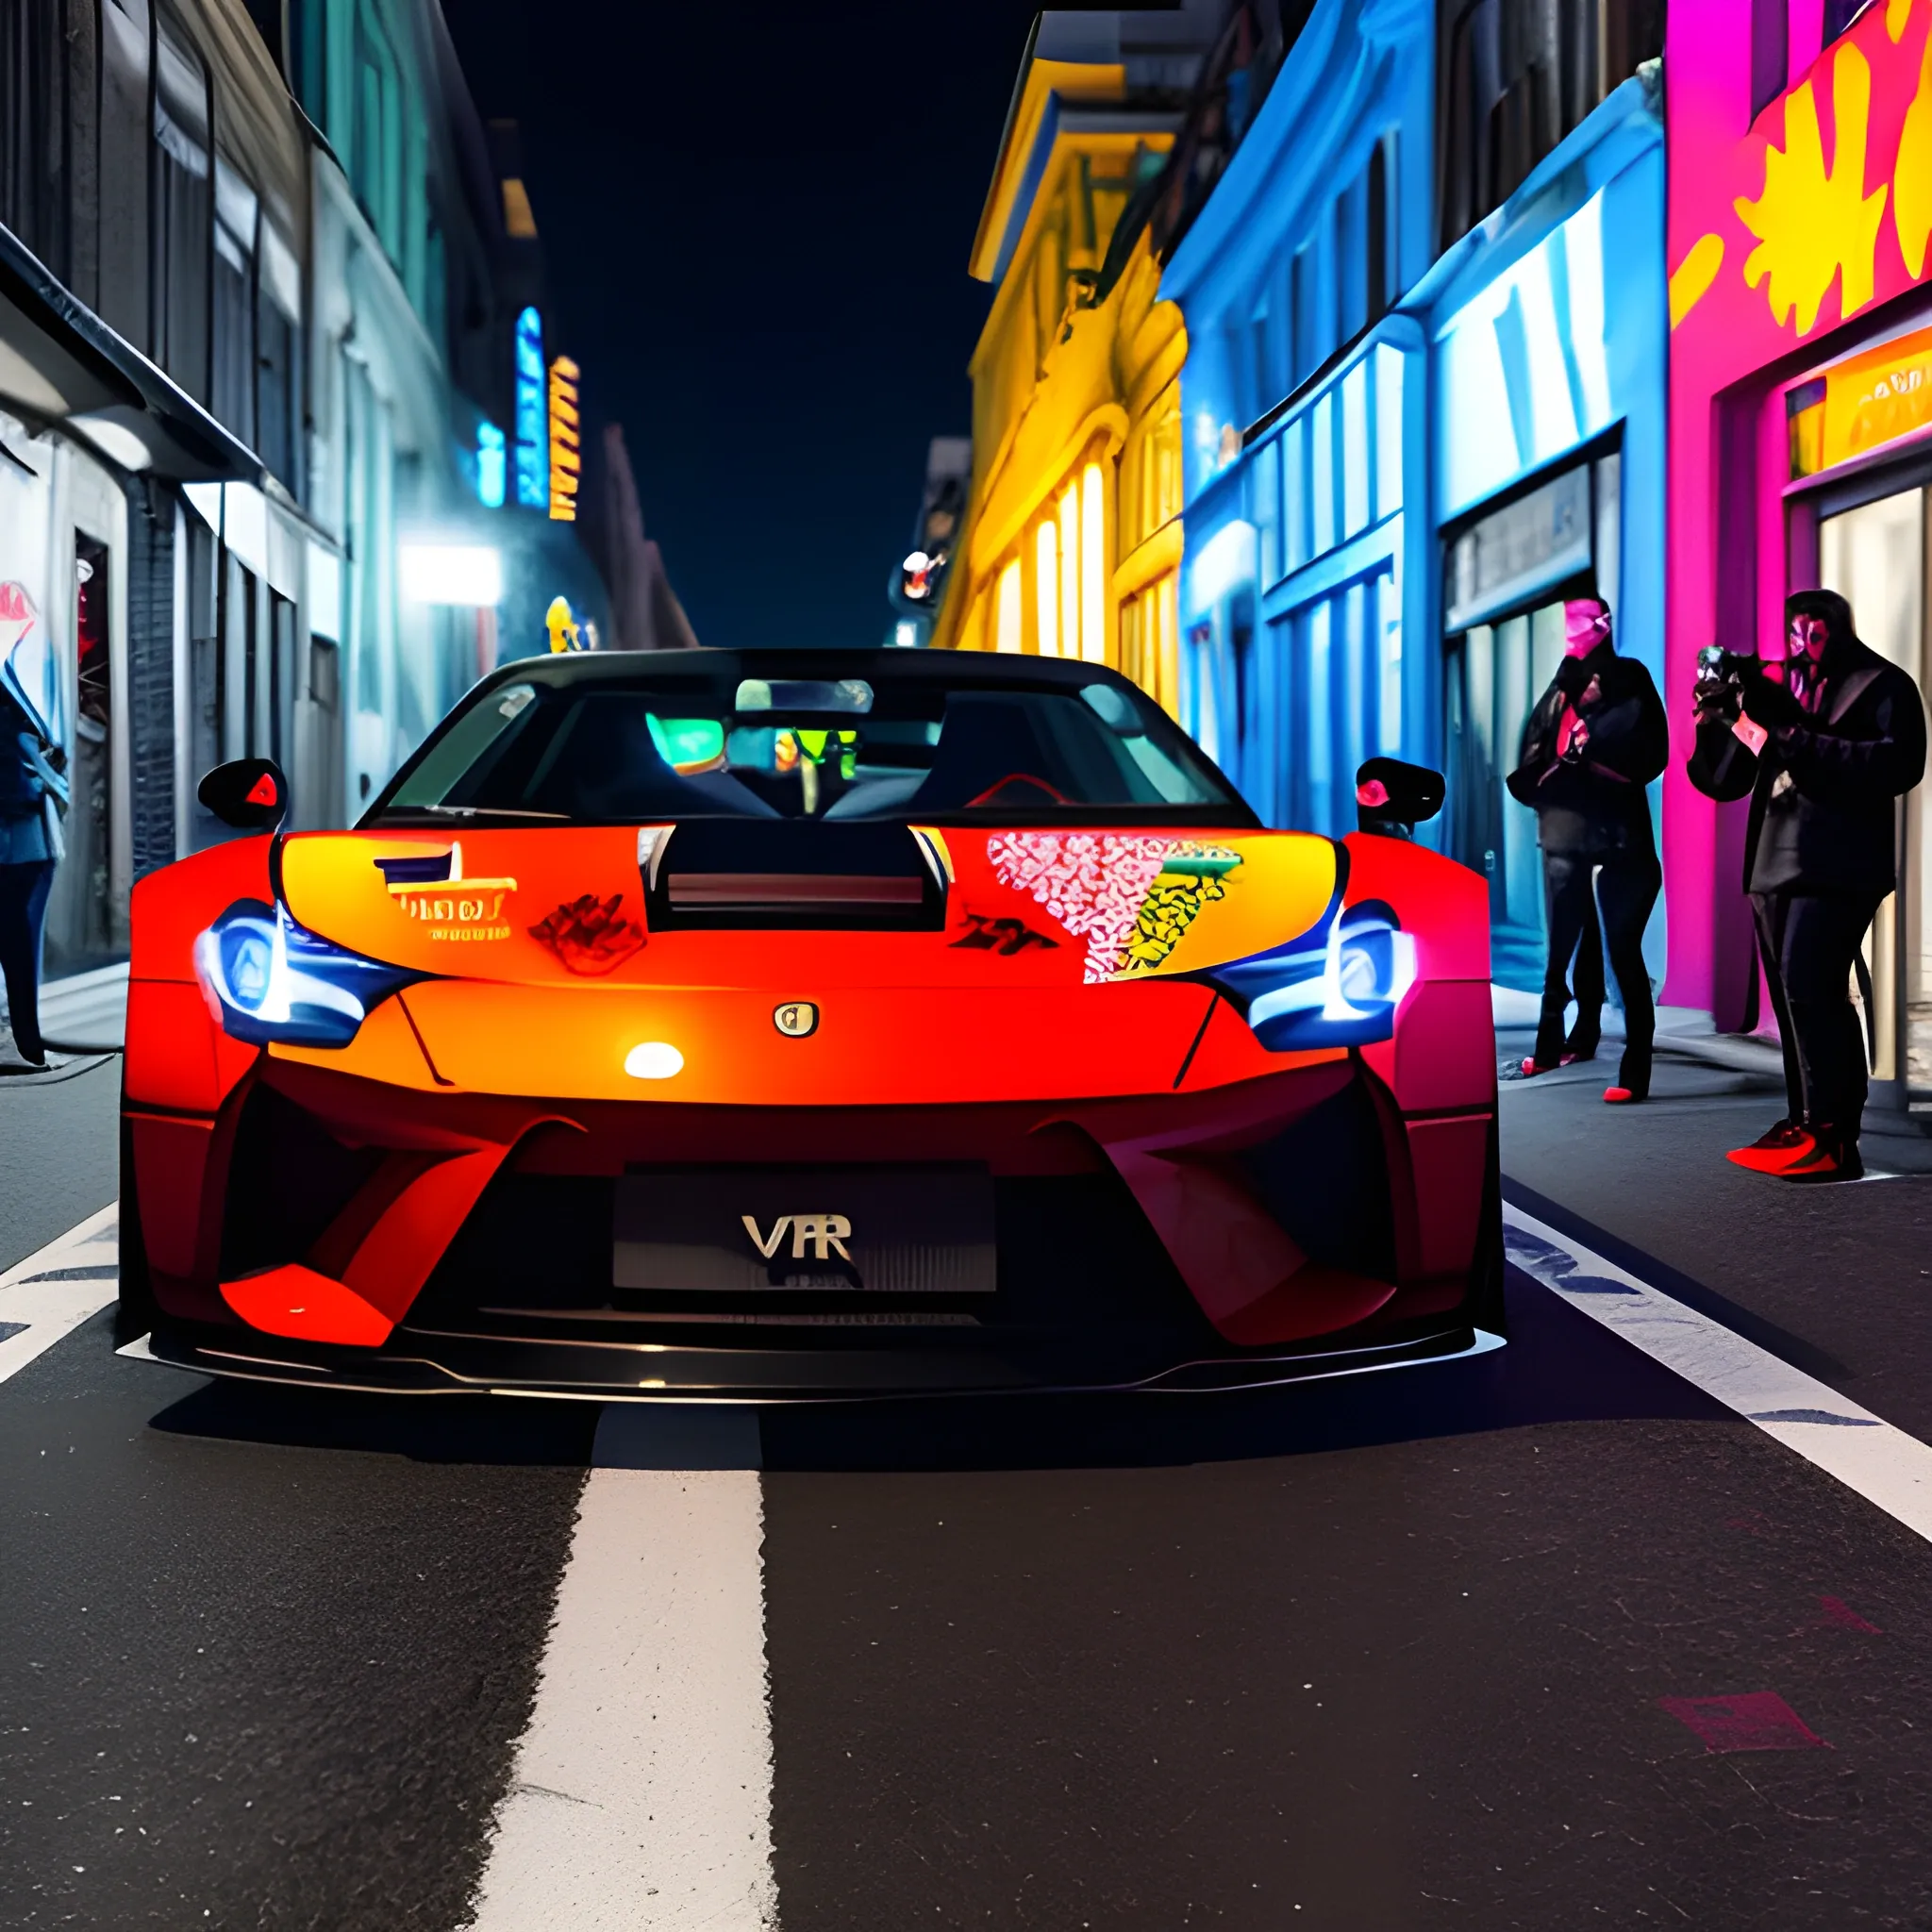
(795, 1019)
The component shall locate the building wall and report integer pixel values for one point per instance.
(1779, 262)
(1303, 409)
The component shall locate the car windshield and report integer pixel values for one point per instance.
(623, 746)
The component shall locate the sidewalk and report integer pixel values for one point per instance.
(1835, 1279)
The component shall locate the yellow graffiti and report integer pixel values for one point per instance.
(1812, 223)
(1692, 278)
(1912, 179)
(1896, 13)
(1191, 878)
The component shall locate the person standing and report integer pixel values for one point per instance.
(1822, 734)
(1597, 737)
(33, 795)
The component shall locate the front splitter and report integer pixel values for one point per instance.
(421, 1365)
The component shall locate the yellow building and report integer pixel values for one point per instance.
(1072, 546)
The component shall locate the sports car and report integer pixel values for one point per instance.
(784, 1024)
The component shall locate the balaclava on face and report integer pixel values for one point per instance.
(1585, 624)
(1796, 659)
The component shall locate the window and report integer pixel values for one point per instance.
(1514, 77)
(124, 262)
(233, 393)
(1046, 582)
(1093, 566)
(34, 145)
(278, 358)
(182, 230)
(308, 56)
(1006, 616)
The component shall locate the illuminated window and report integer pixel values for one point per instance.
(1047, 589)
(1322, 470)
(1354, 449)
(1006, 610)
(1389, 611)
(1069, 571)
(1388, 430)
(1092, 567)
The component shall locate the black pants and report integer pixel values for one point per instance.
(22, 917)
(1807, 943)
(1627, 884)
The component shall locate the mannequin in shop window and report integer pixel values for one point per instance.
(33, 796)
(1597, 737)
(1823, 734)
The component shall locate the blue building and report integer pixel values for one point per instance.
(1548, 332)
(1424, 398)
(1303, 404)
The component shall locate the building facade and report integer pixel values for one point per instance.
(1302, 402)
(1547, 332)
(1801, 402)
(1069, 547)
(1424, 400)
(245, 372)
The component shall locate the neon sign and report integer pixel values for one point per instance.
(492, 465)
(565, 457)
(533, 455)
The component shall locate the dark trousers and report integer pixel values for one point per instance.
(1807, 943)
(24, 890)
(1627, 884)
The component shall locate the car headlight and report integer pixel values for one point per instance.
(1338, 984)
(271, 979)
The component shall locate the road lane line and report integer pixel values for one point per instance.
(1863, 1451)
(35, 1314)
(640, 1798)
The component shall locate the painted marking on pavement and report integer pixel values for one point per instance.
(53, 1291)
(1863, 1451)
(641, 1794)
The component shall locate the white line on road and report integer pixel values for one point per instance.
(1865, 1452)
(38, 1306)
(639, 1800)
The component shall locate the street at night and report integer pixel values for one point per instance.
(965, 968)
(1396, 1650)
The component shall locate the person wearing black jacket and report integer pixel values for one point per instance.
(1595, 739)
(1835, 735)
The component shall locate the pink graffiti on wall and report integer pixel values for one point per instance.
(1781, 228)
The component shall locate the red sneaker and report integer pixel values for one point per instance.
(1773, 1151)
(1620, 1096)
(1828, 1159)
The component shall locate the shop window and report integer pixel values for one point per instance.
(1514, 77)
(90, 924)
(183, 232)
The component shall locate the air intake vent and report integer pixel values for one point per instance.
(794, 875)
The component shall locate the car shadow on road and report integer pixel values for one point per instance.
(1559, 1367)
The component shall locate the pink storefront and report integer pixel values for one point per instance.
(1801, 419)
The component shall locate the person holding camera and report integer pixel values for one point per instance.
(1597, 737)
(1822, 734)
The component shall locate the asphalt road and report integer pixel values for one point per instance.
(1382, 1653)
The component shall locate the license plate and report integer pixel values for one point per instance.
(916, 1230)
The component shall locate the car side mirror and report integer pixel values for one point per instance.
(1393, 798)
(251, 794)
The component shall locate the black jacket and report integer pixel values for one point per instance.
(1594, 805)
(1821, 789)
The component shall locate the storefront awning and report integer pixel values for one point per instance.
(61, 364)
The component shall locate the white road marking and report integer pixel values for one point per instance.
(1865, 1452)
(35, 1314)
(641, 1796)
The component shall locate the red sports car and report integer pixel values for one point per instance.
(773, 1024)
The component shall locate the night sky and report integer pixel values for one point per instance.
(756, 219)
